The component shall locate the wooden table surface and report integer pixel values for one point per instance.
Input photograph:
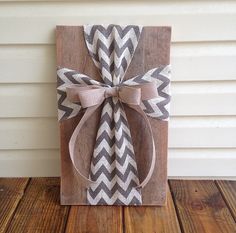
(32, 205)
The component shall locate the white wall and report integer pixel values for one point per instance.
(202, 139)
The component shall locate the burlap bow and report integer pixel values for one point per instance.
(113, 177)
(91, 97)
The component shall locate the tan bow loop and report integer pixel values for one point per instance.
(92, 96)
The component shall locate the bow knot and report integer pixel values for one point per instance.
(91, 95)
(111, 92)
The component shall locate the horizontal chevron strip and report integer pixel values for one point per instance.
(123, 180)
(121, 162)
(115, 172)
(111, 140)
(116, 199)
(66, 77)
(106, 31)
(157, 107)
(110, 158)
(124, 170)
(114, 147)
(110, 192)
(116, 203)
(113, 50)
(116, 181)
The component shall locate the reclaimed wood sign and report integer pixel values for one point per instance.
(113, 98)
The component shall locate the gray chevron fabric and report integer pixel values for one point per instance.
(113, 164)
(66, 77)
(112, 49)
(157, 107)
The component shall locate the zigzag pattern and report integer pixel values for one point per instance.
(113, 165)
(157, 107)
(112, 49)
(65, 77)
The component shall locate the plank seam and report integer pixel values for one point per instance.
(123, 220)
(176, 208)
(225, 200)
(66, 219)
(20, 199)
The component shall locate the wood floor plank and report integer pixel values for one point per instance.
(95, 219)
(201, 208)
(39, 209)
(228, 190)
(152, 219)
(11, 191)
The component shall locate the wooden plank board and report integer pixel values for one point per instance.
(228, 190)
(72, 53)
(11, 192)
(95, 219)
(152, 219)
(188, 99)
(196, 132)
(198, 25)
(39, 209)
(201, 207)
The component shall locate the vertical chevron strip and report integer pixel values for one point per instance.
(112, 48)
(113, 165)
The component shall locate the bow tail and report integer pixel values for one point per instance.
(125, 158)
(113, 166)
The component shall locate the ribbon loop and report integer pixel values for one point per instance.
(88, 96)
(148, 90)
(130, 95)
(91, 97)
(111, 92)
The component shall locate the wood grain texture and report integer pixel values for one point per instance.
(195, 207)
(152, 219)
(39, 209)
(95, 219)
(201, 207)
(228, 190)
(152, 51)
(11, 192)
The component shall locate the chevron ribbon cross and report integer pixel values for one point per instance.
(113, 175)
